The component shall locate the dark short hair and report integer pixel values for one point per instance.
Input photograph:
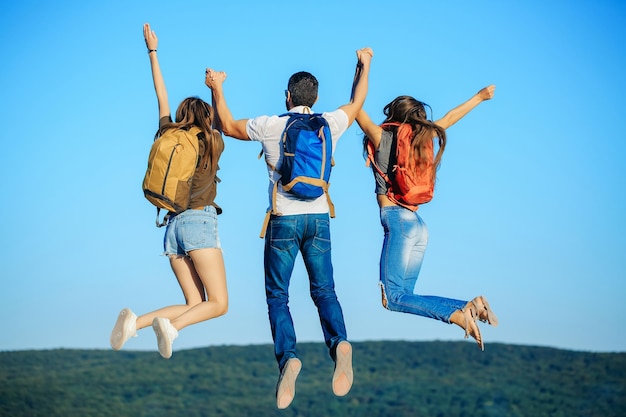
(303, 88)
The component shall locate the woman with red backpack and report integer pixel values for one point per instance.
(400, 151)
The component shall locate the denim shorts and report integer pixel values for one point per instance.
(190, 230)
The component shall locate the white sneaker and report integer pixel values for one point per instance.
(165, 333)
(125, 328)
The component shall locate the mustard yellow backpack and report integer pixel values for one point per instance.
(171, 166)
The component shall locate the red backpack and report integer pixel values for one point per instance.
(411, 182)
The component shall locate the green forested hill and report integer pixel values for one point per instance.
(391, 379)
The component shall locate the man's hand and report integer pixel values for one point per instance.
(487, 92)
(214, 78)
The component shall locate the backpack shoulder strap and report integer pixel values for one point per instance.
(195, 130)
(261, 153)
(371, 152)
(160, 223)
(271, 211)
(371, 161)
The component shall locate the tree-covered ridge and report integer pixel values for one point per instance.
(391, 379)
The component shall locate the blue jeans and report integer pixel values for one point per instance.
(406, 237)
(309, 234)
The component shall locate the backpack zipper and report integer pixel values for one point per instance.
(167, 171)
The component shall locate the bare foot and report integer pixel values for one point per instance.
(466, 320)
(485, 313)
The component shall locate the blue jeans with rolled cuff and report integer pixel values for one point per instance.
(406, 238)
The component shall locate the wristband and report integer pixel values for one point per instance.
(151, 50)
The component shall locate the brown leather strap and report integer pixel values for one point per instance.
(265, 223)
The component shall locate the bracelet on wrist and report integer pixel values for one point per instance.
(151, 50)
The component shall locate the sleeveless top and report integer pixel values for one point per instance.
(383, 158)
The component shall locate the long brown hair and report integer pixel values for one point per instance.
(194, 111)
(406, 109)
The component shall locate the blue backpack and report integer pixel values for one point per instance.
(307, 155)
(307, 148)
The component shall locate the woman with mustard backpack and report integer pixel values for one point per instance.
(191, 238)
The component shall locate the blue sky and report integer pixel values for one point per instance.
(529, 207)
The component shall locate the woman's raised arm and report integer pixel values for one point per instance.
(159, 84)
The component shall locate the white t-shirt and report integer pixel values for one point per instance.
(268, 130)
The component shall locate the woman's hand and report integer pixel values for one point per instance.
(151, 38)
(487, 92)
